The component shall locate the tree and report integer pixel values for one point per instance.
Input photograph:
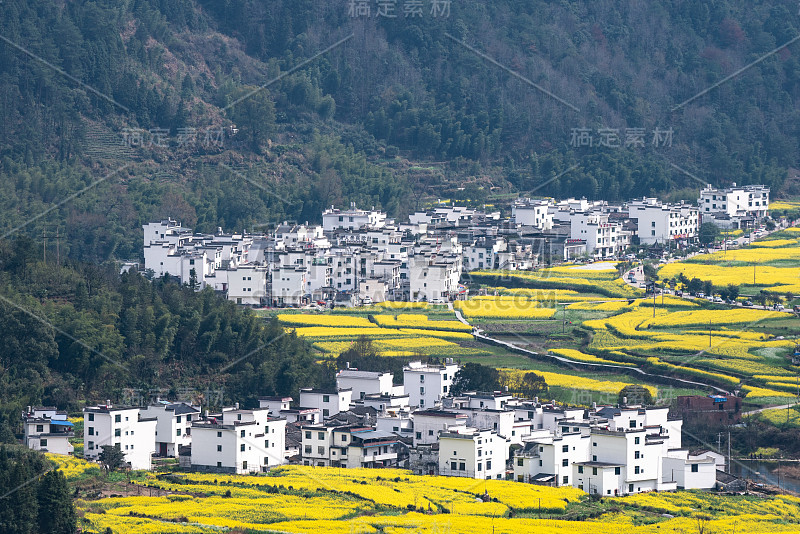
(635, 394)
(56, 513)
(733, 291)
(193, 279)
(708, 287)
(112, 457)
(708, 233)
(694, 285)
(650, 272)
(533, 385)
(475, 377)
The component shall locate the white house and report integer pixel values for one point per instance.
(328, 402)
(739, 203)
(602, 236)
(429, 424)
(288, 285)
(47, 430)
(352, 219)
(364, 383)
(120, 426)
(549, 459)
(434, 278)
(173, 427)
(238, 441)
(533, 213)
(247, 284)
(426, 384)
(473, 453)
(664, 223)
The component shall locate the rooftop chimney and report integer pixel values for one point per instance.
(236, 405)
(624, 401)
(108, 403)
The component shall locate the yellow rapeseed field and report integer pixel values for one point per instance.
(503, 309)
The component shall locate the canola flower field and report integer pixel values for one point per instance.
(400, 335)
(769, 263)
(299, 499)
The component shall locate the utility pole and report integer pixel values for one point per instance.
(729, 451)
(709, 333)
(44, 244)
(564, 319)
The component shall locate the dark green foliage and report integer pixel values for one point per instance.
(56, 513)
(709, 232)
(112, 457)
(635, 394)
(475, 377)
(33, 498)
(93, 333)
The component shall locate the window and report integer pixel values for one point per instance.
(594, 458)
(241, 447)
(219, 448)
(565, 448)
(308, 434)
(594, 470)
(266, 460)
(179, 419)
(422, 378)
(91, 417)
(307, 449)
(419, 435)
(540, 463)
(565, 462)
(462, 466)
(320, 450)
(453, 466)
(117, 418)
(480, 466)
(325, 413)
(694, 468)
(320, 435)
(40, 428)
(519, 462)
(344, 437)
(241, 433)
(565, 480)
(617, 470)
(637, 455)
(117, 433)
(326, 398)
(636, 470)
(630, 488)
(422, 391)
(91, 431)
(632, 423)
(43, 443)
(219, 434)
(580, 469)
(266, 443)
(244, 465)
(91, 445)
(430, 432)
(178, 432)
(636, 441)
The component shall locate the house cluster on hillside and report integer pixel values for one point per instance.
(360, 257)
(369, 422)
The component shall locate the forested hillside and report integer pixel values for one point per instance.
(80, 333)
(239, 114)
(403, 109)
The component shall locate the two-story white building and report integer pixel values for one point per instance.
(47, 430)
(238, 441)
(473, 453)
(739, 206)
(664, 223)
(328, 402)
(119, 426)
(173, 427)
(426, 384)
(364, 383)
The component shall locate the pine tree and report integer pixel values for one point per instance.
(56, 513)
